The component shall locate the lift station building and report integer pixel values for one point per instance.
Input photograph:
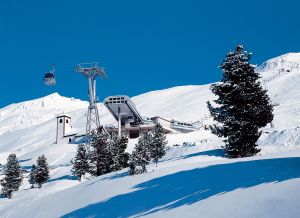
(132, 123)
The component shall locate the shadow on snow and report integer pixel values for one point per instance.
(215, 152)
(191, 186)
(66, 177)
(110, 176)
(24, 160)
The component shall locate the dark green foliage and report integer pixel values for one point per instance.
(32, 175)
(42, 171)
(158, 143)
(141, 155)
(132, 164)
(80, 164)
(13, 176)
(243, 106)
(100, 154)
(119, 156)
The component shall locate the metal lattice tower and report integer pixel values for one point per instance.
(91, 71)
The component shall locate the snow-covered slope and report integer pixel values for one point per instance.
(193, 179)
(281, 77)
(30, 113)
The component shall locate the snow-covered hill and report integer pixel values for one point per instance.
(192, 180)
(31, 113)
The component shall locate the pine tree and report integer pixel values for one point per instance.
(141, 155)
(158, 143)
(42, 171)
(13, 176)
(80, 164)
(131, 164)
(118, 151)
(124, 156)
(242, 107)
(32, 175)
(100, 155)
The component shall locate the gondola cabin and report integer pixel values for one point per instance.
(49, 77)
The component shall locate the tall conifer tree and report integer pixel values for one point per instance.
(118, 151)
(13, 176)
(158, 143)
(41, 171)
(100, 154)
(32, 176)
(141, 155)
(242, 106)
(80, 163)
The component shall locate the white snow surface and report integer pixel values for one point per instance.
(194, 179)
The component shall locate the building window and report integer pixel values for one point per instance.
(70, 139)
(60, 121)
(67, 121)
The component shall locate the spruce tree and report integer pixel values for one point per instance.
(32, 175)
(42, 171)
(242, 106)
(124, 156)
(118, 151)
(13, 176)
(131, 164)
(141, 155)
(100, 154)
(80, 164)
(158, 143)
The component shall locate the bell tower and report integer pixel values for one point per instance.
(63, 126)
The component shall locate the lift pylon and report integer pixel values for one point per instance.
(91, 71)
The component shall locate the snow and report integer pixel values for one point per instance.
(194, 178)
(30, 113)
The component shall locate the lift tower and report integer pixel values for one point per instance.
(91, 71)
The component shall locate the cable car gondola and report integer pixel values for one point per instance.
(49, 78)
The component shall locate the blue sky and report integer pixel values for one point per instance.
(143, 45)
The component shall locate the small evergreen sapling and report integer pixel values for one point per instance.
(80, 164)
(42, 171)
(13, 176)
(158, 143)
(32, 175)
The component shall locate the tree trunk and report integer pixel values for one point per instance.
(9, 194)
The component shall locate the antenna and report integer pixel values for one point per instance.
(91, 71)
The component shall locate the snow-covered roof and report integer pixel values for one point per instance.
(64, 115)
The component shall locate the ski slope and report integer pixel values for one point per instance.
(194, 178)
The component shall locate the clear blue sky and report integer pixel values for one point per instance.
(143, 45)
